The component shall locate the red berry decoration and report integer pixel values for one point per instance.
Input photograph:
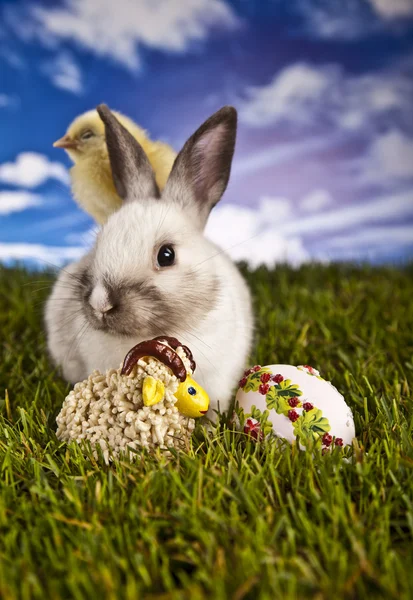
(311, 369)
(265, 377)
(293, 402)
(338, 442)
(253, 428)
(248, 372)
(327, 439)
(308, 406)
(257, 368)
(293, 415)
(263, 389)
(242, 382)
(278, 378)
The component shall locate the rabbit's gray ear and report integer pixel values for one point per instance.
(131, 170)
(201, 170)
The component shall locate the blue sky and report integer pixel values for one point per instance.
(324, 160)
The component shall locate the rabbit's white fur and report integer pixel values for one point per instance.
(202, 299)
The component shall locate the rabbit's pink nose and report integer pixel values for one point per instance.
(100, 301)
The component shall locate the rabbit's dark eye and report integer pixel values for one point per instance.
(192, 391)
(166, 256)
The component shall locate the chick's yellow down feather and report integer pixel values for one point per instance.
(92, 184)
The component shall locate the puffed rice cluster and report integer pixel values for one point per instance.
(108, 411)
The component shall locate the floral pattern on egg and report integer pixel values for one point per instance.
(282, 399)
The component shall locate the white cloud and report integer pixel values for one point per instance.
(31, 169)
(393, 9)
(64, 73)
(4, 100)
(392, 236)
(116, 29)
(361, 101)
(276, 155)
(12, 58)
(316, 201)
(391, 156)
(55, 255)
(351, 19)
(327, 19)
(8, 101)
(274, 209)
(304, 95)
(254, 235)
(359, 215)
(290, 94)
(11, 202)
(277, 231)
(74, 219)
(369, 244)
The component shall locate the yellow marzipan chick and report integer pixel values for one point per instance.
(92, 184)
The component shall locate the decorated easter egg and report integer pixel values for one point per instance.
(294, 403)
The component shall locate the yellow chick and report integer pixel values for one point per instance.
(92, 184)
(193, 401)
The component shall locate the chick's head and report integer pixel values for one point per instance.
(84, 137)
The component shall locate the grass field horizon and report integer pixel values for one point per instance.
(228, 518)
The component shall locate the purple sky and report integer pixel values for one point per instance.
(324, 160)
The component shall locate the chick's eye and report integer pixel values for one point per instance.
(192, 391)
(87, 134)
(166, 256)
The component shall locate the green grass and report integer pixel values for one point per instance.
(228, 518)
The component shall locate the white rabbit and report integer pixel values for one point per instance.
(152, 272)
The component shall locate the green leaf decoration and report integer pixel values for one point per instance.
(288, 389)
(251, 386)
(279, 394)
(277, 402)
(311, 426)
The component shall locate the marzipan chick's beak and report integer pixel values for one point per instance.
(65, 142)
